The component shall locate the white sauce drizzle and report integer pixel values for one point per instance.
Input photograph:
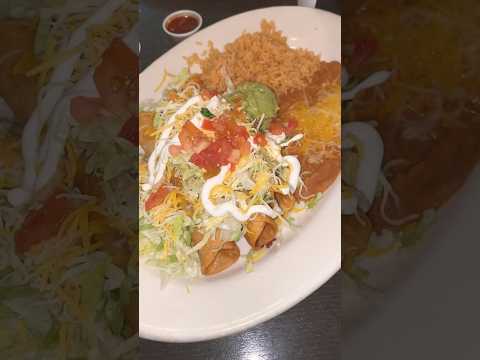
(229, 207)
(157, 161)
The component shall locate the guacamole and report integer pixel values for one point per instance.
(257, 100)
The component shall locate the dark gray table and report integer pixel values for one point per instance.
(309, 330)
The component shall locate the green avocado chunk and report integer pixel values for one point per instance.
(257, 100)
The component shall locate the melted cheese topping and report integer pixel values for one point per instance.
(320, 123)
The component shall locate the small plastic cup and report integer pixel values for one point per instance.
(180, 36)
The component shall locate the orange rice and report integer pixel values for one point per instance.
(262, 56)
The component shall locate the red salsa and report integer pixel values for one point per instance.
(230, 143)
(182, 24)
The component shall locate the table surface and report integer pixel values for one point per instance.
(311, 329)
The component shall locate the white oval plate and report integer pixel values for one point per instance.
(235, 300)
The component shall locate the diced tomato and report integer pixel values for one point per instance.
(156, 198)
(244, 147)
(291, 127)
(207, 94)
(260, 139)
(188, 134)
(210, 158)
(230, 145)
(193, 138)
(234, 156)
(42, 224)
(215, 155)
(276, 128)
(174, 150)
(208, 125)
(130, 130)
(200, 145)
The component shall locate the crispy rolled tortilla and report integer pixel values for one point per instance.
(286, 202)
(261, 231)
(216, 255)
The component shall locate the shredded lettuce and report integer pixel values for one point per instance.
(158, 120)
(253, 257)
(181, 78)
(167, 247)
(314, 201)
(237, 234)
(191, 175)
